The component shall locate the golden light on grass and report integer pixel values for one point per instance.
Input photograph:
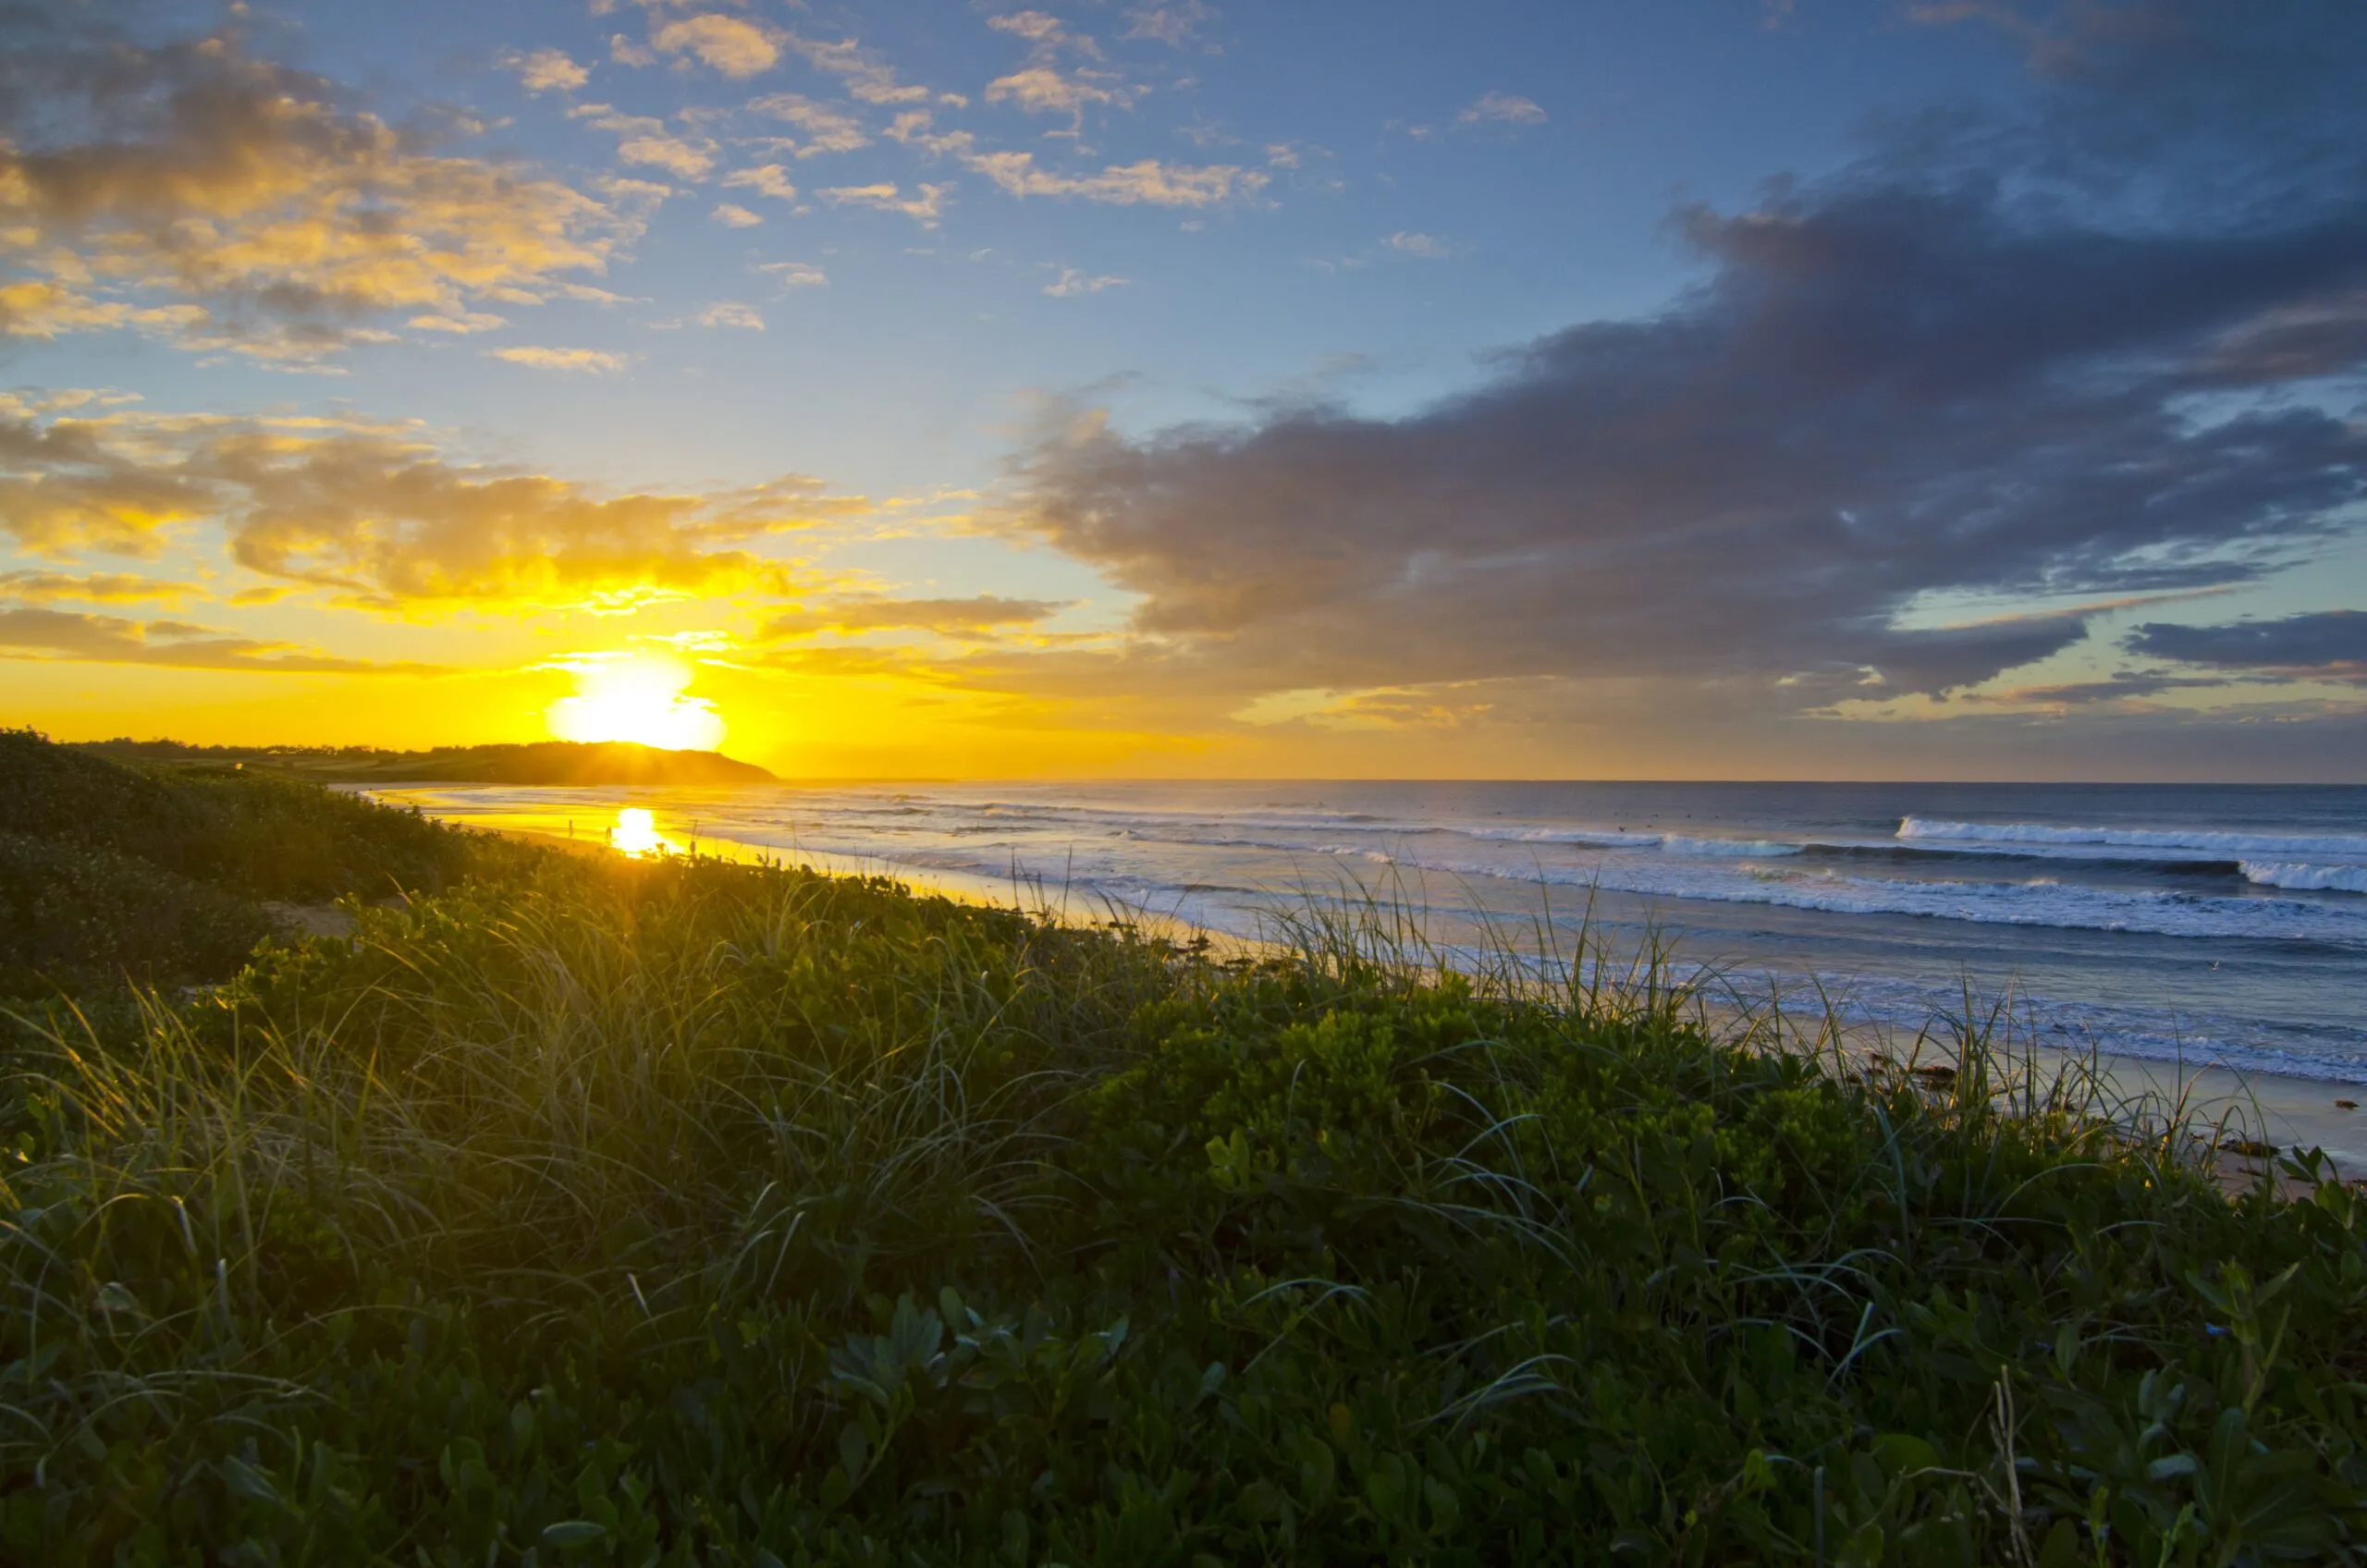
(636, 833)
(639, 697)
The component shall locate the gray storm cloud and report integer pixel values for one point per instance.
(2328, 645)
(1978, 362)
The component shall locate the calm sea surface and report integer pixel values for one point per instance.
(2220, 924)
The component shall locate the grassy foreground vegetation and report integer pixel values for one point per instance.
(590, 1212)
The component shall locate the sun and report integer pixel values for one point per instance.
(635, 698)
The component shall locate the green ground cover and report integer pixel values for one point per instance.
(604, 1212)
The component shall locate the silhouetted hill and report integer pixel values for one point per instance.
(544, 761)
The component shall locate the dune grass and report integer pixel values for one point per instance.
(685, 1212)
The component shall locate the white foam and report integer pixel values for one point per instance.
(1582, 837)
(2036, 902)
(2302, 874)
(2193, 841)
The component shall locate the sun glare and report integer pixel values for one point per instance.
(636, 697)
(636, 833)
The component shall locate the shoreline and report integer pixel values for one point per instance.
(2291, 1113)
(2289, 1110)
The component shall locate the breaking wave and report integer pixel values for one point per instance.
(2301, 876)
(2198, 841)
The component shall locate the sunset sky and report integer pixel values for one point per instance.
(1316, 387)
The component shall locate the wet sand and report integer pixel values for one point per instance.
(2290, 1113)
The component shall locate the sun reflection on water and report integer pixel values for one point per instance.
(636, 833)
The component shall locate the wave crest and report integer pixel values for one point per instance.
(2201, 841)
(2301, 876)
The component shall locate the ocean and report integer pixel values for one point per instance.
(2208, 925)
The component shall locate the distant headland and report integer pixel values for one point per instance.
(542, 761)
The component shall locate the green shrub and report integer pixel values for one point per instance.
(78, 918)
(691, 1213)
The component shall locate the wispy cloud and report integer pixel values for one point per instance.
(592, 361)
(460, 324)
(1412, 243)
(545, 70)
(925, 208)
(1501, 108)
(107, 639)
(644, 140)
(916, 128)
(1072, 281)
(733, 45)
(1172, 22)
(732, 215)
(766, 179)
(99, 588)
(1149, 182)
(854, 614)
(655, 149)
(827, 129)
(732, 313)
(1045, 85)
(793, 275)
(1043, 89)
(868, 79)
(1036, 27)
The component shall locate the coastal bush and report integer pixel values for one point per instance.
(78, 918)
(680, 1212)
(110, 871)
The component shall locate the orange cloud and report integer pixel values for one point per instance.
(827, 129)
(591, 361)
(923, 208)
(1149, 182)
(769, 180)
(225, 202)
(644, 140)
(1041, 87)
(107, 639)
(546, 70)
(100, 588)
(66, 486)
(729, 45)
(866, 77)
(977, 617)
(386, 519)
